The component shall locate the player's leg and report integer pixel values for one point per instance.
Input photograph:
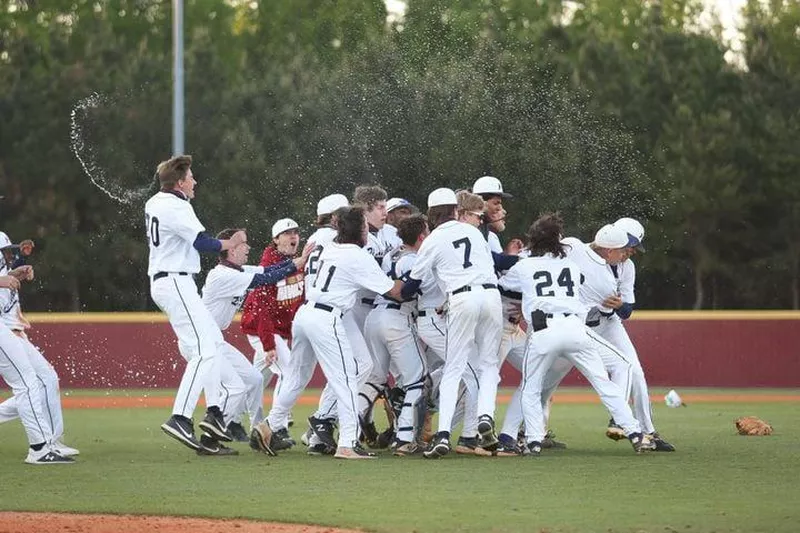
(8, 410)
(48, 378)
(20, 376)
(621, 371)
(512, 349)
(543, 347)
(488, 335)
(332, 348)
(248, 379)
(255, 403)
(376, 335)
(408, 358)
(587, 353)
(460, 347)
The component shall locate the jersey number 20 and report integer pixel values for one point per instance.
(545, 280)
(152, 227)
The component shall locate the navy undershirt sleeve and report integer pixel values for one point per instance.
(273, 274)
(410, 288)
(504, 261)
(205, 243)
(625, 311)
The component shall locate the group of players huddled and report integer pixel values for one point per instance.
(414, 312)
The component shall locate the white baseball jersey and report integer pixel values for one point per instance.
(494, 243)
(379, 243)
(599, 282)
(625, 274)
(344, 270)
(398, 264)
(391, 237)
(322, 237)
(172, 228)
(9, 299)
(547, 283)
(225, 290)
(456, 254)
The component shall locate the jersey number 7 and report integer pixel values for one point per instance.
(467, 250)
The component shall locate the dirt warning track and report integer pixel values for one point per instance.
(129, 402)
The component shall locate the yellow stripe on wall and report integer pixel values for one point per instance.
(122, 317)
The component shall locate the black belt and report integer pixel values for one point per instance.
(368, 301)
(422, 313)
(550, 315)
(159, 275)
(593, 323)
(538, 319)
(393, 306)
(467, 288)
(323, 307)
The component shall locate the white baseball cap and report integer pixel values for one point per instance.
(489, 185)
(5, 241)
(632, 227)
(284, 224)
(331, 203)
(614, 237)
(394, 203)
(442, 196)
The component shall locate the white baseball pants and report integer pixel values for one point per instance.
(474, 328)
(51, 394)
(198, 336)
(631, 373)
(567, 336)
(238, 380)
(16, 370)
(391, 337)
(279, 368)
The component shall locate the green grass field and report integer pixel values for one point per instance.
(716, 482)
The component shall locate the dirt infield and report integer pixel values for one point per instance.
(127, 402)
(79, 523)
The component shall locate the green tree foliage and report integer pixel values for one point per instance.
(597, 108)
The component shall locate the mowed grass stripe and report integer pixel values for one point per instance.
(717, 481)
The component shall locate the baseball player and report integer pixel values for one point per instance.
(268, 312)
(12, 317)
(390, 334)
(494, 216)
(549, 283)
(16, 370)
(457, 256)
(225, 289)
(176, 238)
(373, 200)
(397, 209)
(344, 269)
(611, 328)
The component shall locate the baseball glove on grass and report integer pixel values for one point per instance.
(751, 425)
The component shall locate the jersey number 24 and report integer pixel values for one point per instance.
(545, 282)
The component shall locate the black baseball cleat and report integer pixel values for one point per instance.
(550, 442)
(641, 443)
(402, 448)
(486, 431)
(471, 446)
(439, 447)
(369, 433)
(181, 429)
(47, 456)
(385, 439)
(321, 449)
(323, 429)
(533, 449)
(281, 440)
(614, 431)
(661, 444)
(261, 438)
(214, 425)
(211, 446)
(507, 446)
(237, 433)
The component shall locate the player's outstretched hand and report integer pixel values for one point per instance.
(22, 273)
(9, 282)
(270, 356)
(300, 262)
(514, 247)
(613, 302)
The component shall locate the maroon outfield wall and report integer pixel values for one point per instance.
(697, 349)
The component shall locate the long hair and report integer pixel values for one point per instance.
(544, 235)
(350, 226)
(440, 214)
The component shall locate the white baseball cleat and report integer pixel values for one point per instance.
(62, 449)
(47, 456)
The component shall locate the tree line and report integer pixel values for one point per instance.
(598, 109)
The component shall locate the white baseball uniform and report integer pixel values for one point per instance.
(391, 337)
(45, 373)
(548, 284)
(599, 283)
(172, 228)
(457, 256)
(318, 332)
